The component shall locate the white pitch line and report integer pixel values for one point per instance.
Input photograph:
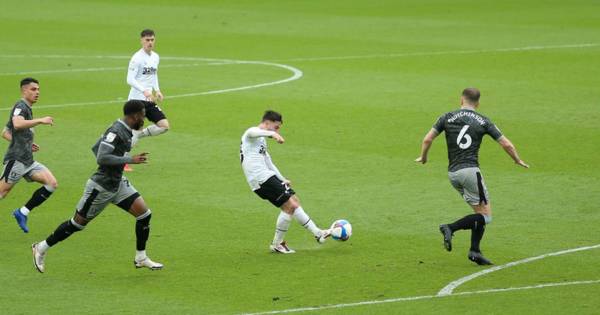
(424, 297)
(100, 69)
(296, 74)
(446, 52)
(448, 289)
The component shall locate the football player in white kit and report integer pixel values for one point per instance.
(267, 182)
(142, 76)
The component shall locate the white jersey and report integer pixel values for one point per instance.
(256, 161)
(142, 74)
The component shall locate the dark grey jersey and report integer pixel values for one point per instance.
(22, 140)
(118, 138)
(464, 132)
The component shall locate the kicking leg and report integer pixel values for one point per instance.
(292, 206)
(159, 128)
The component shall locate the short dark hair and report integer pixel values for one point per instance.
(272, 116)
(147, 32)
(133, 107)
(28, 80)
(471, 95)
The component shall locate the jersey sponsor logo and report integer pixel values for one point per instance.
(110, 137)
(149, 70)
(17, 112)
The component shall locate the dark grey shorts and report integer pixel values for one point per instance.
(15, 170)
(469, 183)
(95, 198)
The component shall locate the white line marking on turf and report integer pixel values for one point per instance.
(424, 297)
(449, 289)
(72, 70)
(296, 74)
(455, 284)
(446, 52)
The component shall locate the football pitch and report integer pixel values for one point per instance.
(359, 83)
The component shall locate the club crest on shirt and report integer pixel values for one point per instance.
(110, 137)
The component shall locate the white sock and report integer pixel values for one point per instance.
(136, 136)
(152, 130)
(42, 247)
(283, 224)
(140, 255)
(24, 211)
(306, 222)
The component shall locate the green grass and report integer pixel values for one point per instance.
(353, 128)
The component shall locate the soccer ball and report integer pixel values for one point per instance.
(341, 230)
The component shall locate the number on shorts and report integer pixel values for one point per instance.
(464, 135)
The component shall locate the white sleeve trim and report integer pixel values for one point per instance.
(108, 144)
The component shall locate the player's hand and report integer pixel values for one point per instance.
(278, 138)
(287, 182)
(140, 158)
(521, 163)
(35, 147)
(148, 95)
(159, 96)
(421, 160)
(47, 120)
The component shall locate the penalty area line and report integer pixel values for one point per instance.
(426, 297)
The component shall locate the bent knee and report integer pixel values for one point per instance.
(487, 218)
(51, 185)
(164, 124)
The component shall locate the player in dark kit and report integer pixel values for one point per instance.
(108, 185)
(18, 160)
(465, 129)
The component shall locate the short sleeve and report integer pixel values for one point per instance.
(440, 124)
(112, 137)
(492, 130)
(20, 110)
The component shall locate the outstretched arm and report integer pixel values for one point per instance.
(426, 145)
(105, 156)
(256, 132)
(511, 150)
(19, 122)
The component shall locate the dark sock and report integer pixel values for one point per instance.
(476, 236)
(468, 222)
(62, 232)
(142, 231)
(38, 197)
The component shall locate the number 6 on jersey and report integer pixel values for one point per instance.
(463, 134)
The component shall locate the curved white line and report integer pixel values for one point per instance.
(296, 74)
(98, 69)
(423, 297)
(448, 289)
